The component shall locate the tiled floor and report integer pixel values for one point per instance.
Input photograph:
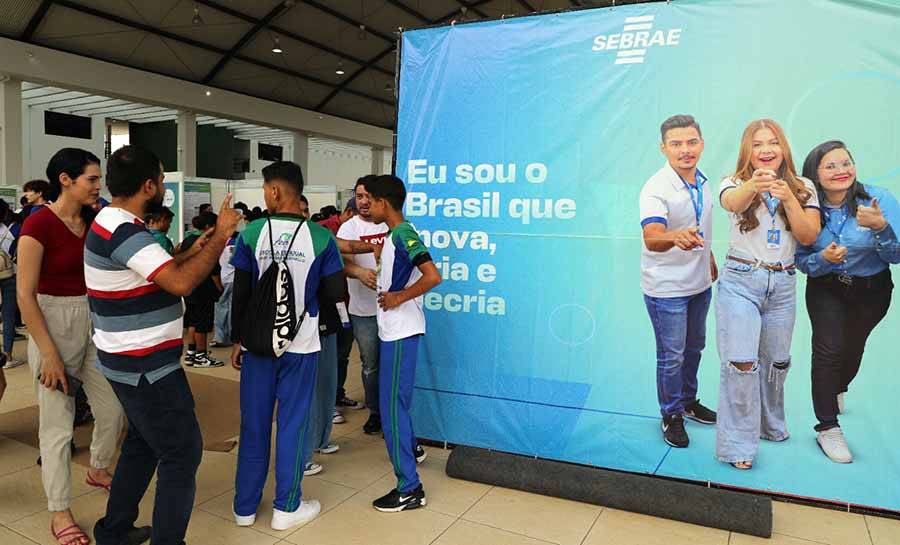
(458, 512)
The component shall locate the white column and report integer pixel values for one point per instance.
(10, 131)
(377, 160)
(300, 149)
(187, 143)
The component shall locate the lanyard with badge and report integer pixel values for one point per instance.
(696, 193)
(837, 233)
(773, 236)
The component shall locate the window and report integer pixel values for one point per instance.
(268, 152)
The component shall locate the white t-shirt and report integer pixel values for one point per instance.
(401, 256)
(363, 301)
(676, 272)
(755, 244)
(227, 269)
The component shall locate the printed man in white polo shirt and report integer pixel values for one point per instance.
(677, 272)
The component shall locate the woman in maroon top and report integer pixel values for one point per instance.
(53, 299)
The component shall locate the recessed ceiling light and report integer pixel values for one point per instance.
(340, 68)
(276, 47)
(208, 93)
(197, 20)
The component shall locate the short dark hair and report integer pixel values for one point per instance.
(389, 188)
(285, 171)
(38, 186)
(71, 161)
(208, 219)
(128, 168)
(368, 178)
(159, 215)
(679, 122)
(205, 208)
(328, 211)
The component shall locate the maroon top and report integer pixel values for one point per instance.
(62, 268)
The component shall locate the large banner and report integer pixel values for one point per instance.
(524, 144)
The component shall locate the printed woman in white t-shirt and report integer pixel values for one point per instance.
(771, 209)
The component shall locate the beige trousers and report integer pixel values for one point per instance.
(69, 323)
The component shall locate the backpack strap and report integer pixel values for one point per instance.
(291, 244)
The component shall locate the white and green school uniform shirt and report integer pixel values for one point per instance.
(401, 256)
(313, 256)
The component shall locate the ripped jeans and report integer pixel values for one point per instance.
(755, 310)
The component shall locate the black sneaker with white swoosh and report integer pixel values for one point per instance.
(396, 501)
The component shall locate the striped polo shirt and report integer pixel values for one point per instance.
(137, 324)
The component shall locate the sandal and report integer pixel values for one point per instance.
(744, 466)
(70, 535)
(97, 484)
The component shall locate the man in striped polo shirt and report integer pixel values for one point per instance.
(135, 289)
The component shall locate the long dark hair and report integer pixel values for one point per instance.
(856, 192)
(71, 161)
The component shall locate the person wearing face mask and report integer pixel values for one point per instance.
(849, 287)
(771, 211)
(677, 272)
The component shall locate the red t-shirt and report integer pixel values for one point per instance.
(62, 269)
(332, 224)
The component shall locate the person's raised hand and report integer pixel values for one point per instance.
(228, 219)
(762, 180)
(688, 239)
(871, 216)
(835, 254)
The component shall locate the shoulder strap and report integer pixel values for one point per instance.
(291, 244)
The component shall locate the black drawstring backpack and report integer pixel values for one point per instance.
(271, 321)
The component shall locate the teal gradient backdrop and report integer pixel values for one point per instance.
(568, 371)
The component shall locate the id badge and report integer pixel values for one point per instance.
(773, 239)
(699, 248)
(343, 314)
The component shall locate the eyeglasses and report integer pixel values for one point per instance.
(831, 167)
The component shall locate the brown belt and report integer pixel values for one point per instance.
(777, 267)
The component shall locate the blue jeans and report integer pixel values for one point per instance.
(223, 315)
(755, 310)
(679, 324)
(321, 412)
(10, 308)
(365, 329)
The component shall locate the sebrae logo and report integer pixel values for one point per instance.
(636, 38)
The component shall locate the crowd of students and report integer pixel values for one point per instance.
(822, 221)
(108, 300)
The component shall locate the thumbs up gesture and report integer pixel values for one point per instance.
(871, 216)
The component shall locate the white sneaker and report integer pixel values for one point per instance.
(841, 403)
(332, 447)
(312, 468)
(245, 521)
(338, 418)
(307, 511)
(204, 360)
(834, 445)
(13, 363)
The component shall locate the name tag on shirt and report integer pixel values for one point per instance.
(773, 239)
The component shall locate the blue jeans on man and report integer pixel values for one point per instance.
(679, 324)
(365, 329)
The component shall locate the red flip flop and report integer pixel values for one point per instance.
(70, 535)
(90, 481)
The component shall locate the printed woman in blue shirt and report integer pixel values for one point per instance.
(849, 287)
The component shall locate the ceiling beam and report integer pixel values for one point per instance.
(201, 45)
(51, 91)
(474, 7)
(289, 34)
(111, 101)
(146, 117)
(41, 102)
(352, 77)
(526, 5)
(259, 25)
(35, 21)
(403, 7)
(349, 20)
(383, 54)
